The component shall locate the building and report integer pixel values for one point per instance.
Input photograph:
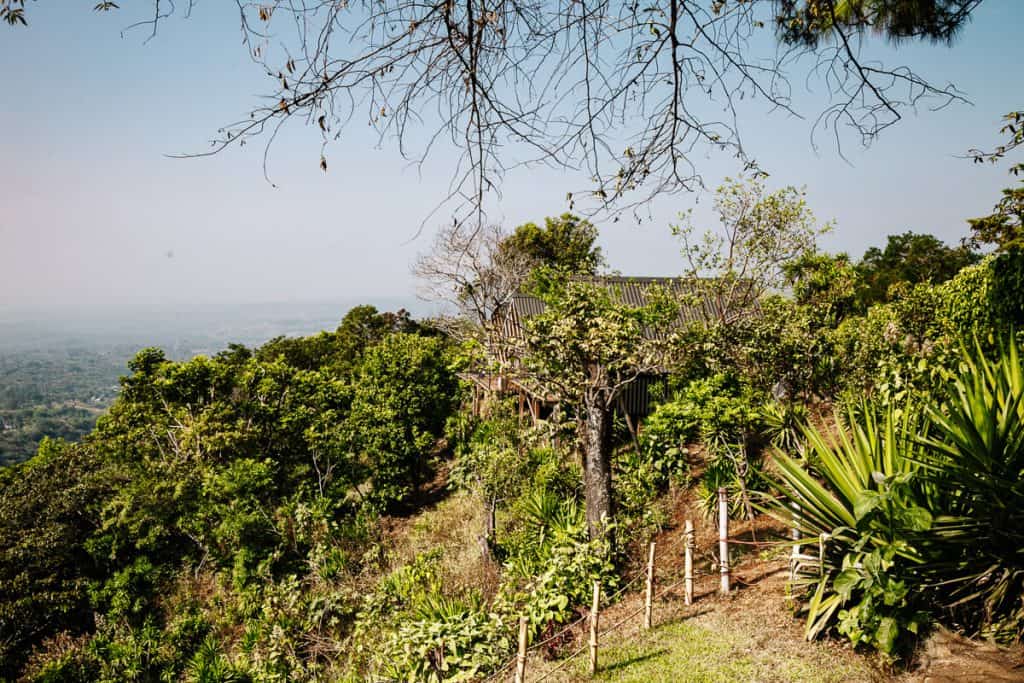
(700, 300)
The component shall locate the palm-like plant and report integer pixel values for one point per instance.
(975, 457)
(917, 510)
(859, 505)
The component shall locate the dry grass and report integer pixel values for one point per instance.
(454, 525)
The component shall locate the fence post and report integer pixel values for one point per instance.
(594, 606)
(521, 655)
(794, 533)
(723, 539)
(688, 575)
(649, 595)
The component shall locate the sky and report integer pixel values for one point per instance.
(95, 213)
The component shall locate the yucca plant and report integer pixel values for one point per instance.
(920, 511)
(860, 505)
(975, 458)
(783, 424)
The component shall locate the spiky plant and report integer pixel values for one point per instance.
(975, 458)
(858, 507)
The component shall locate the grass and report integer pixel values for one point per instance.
(750, 636)
(685, 652)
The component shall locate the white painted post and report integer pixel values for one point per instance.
(594, 606)
(794, 556)
(723, 539)
(688, 575)
(649, 595)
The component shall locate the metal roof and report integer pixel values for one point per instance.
(699, 300)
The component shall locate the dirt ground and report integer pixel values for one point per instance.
(754, 629)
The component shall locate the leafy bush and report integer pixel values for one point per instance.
(403, 397)
(722, 413)
(451, 640)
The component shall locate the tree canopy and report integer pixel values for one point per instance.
(911, 258)
(566, 243)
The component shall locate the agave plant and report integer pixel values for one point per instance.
(975, 458)
(860, 506)
(783, 424)
(919, 513)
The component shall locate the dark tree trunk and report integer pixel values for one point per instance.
(597, 466)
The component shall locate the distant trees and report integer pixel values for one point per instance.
(567, 243)
(909, 258)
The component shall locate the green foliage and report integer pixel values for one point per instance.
(920, 512)
(458, 642)
(47, 510)
(585, 342)
(760, 233)
(806, 22)
(863, 501)
(565, 243)
(404, 393)
(494, 458)
(1004, 227)
(909, 258)
(907, 346)
(975, 459)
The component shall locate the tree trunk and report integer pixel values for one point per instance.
(597, 466)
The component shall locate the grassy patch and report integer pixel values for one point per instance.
(684, 652)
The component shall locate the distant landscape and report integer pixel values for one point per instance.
(59, 370)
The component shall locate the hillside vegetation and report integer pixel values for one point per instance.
(347, 506)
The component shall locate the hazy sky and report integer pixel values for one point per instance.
(93, 212)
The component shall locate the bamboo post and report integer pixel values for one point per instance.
(723, 539)
(521, 655)
(795, 532)
(794, 556)
(688, 575)
(649, 594)
(594, 606)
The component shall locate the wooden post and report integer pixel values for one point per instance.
(521, 655)
(594, 607)
(794, 555)
(688, 566)
(649, 595)
(723, 539)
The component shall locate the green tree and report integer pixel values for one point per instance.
(909, 258)
(810, 21)
(403, 395)
(587, 348)
(49, 506)
(759, 233)
(566, 243)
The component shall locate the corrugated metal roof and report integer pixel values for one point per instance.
(699, 300)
